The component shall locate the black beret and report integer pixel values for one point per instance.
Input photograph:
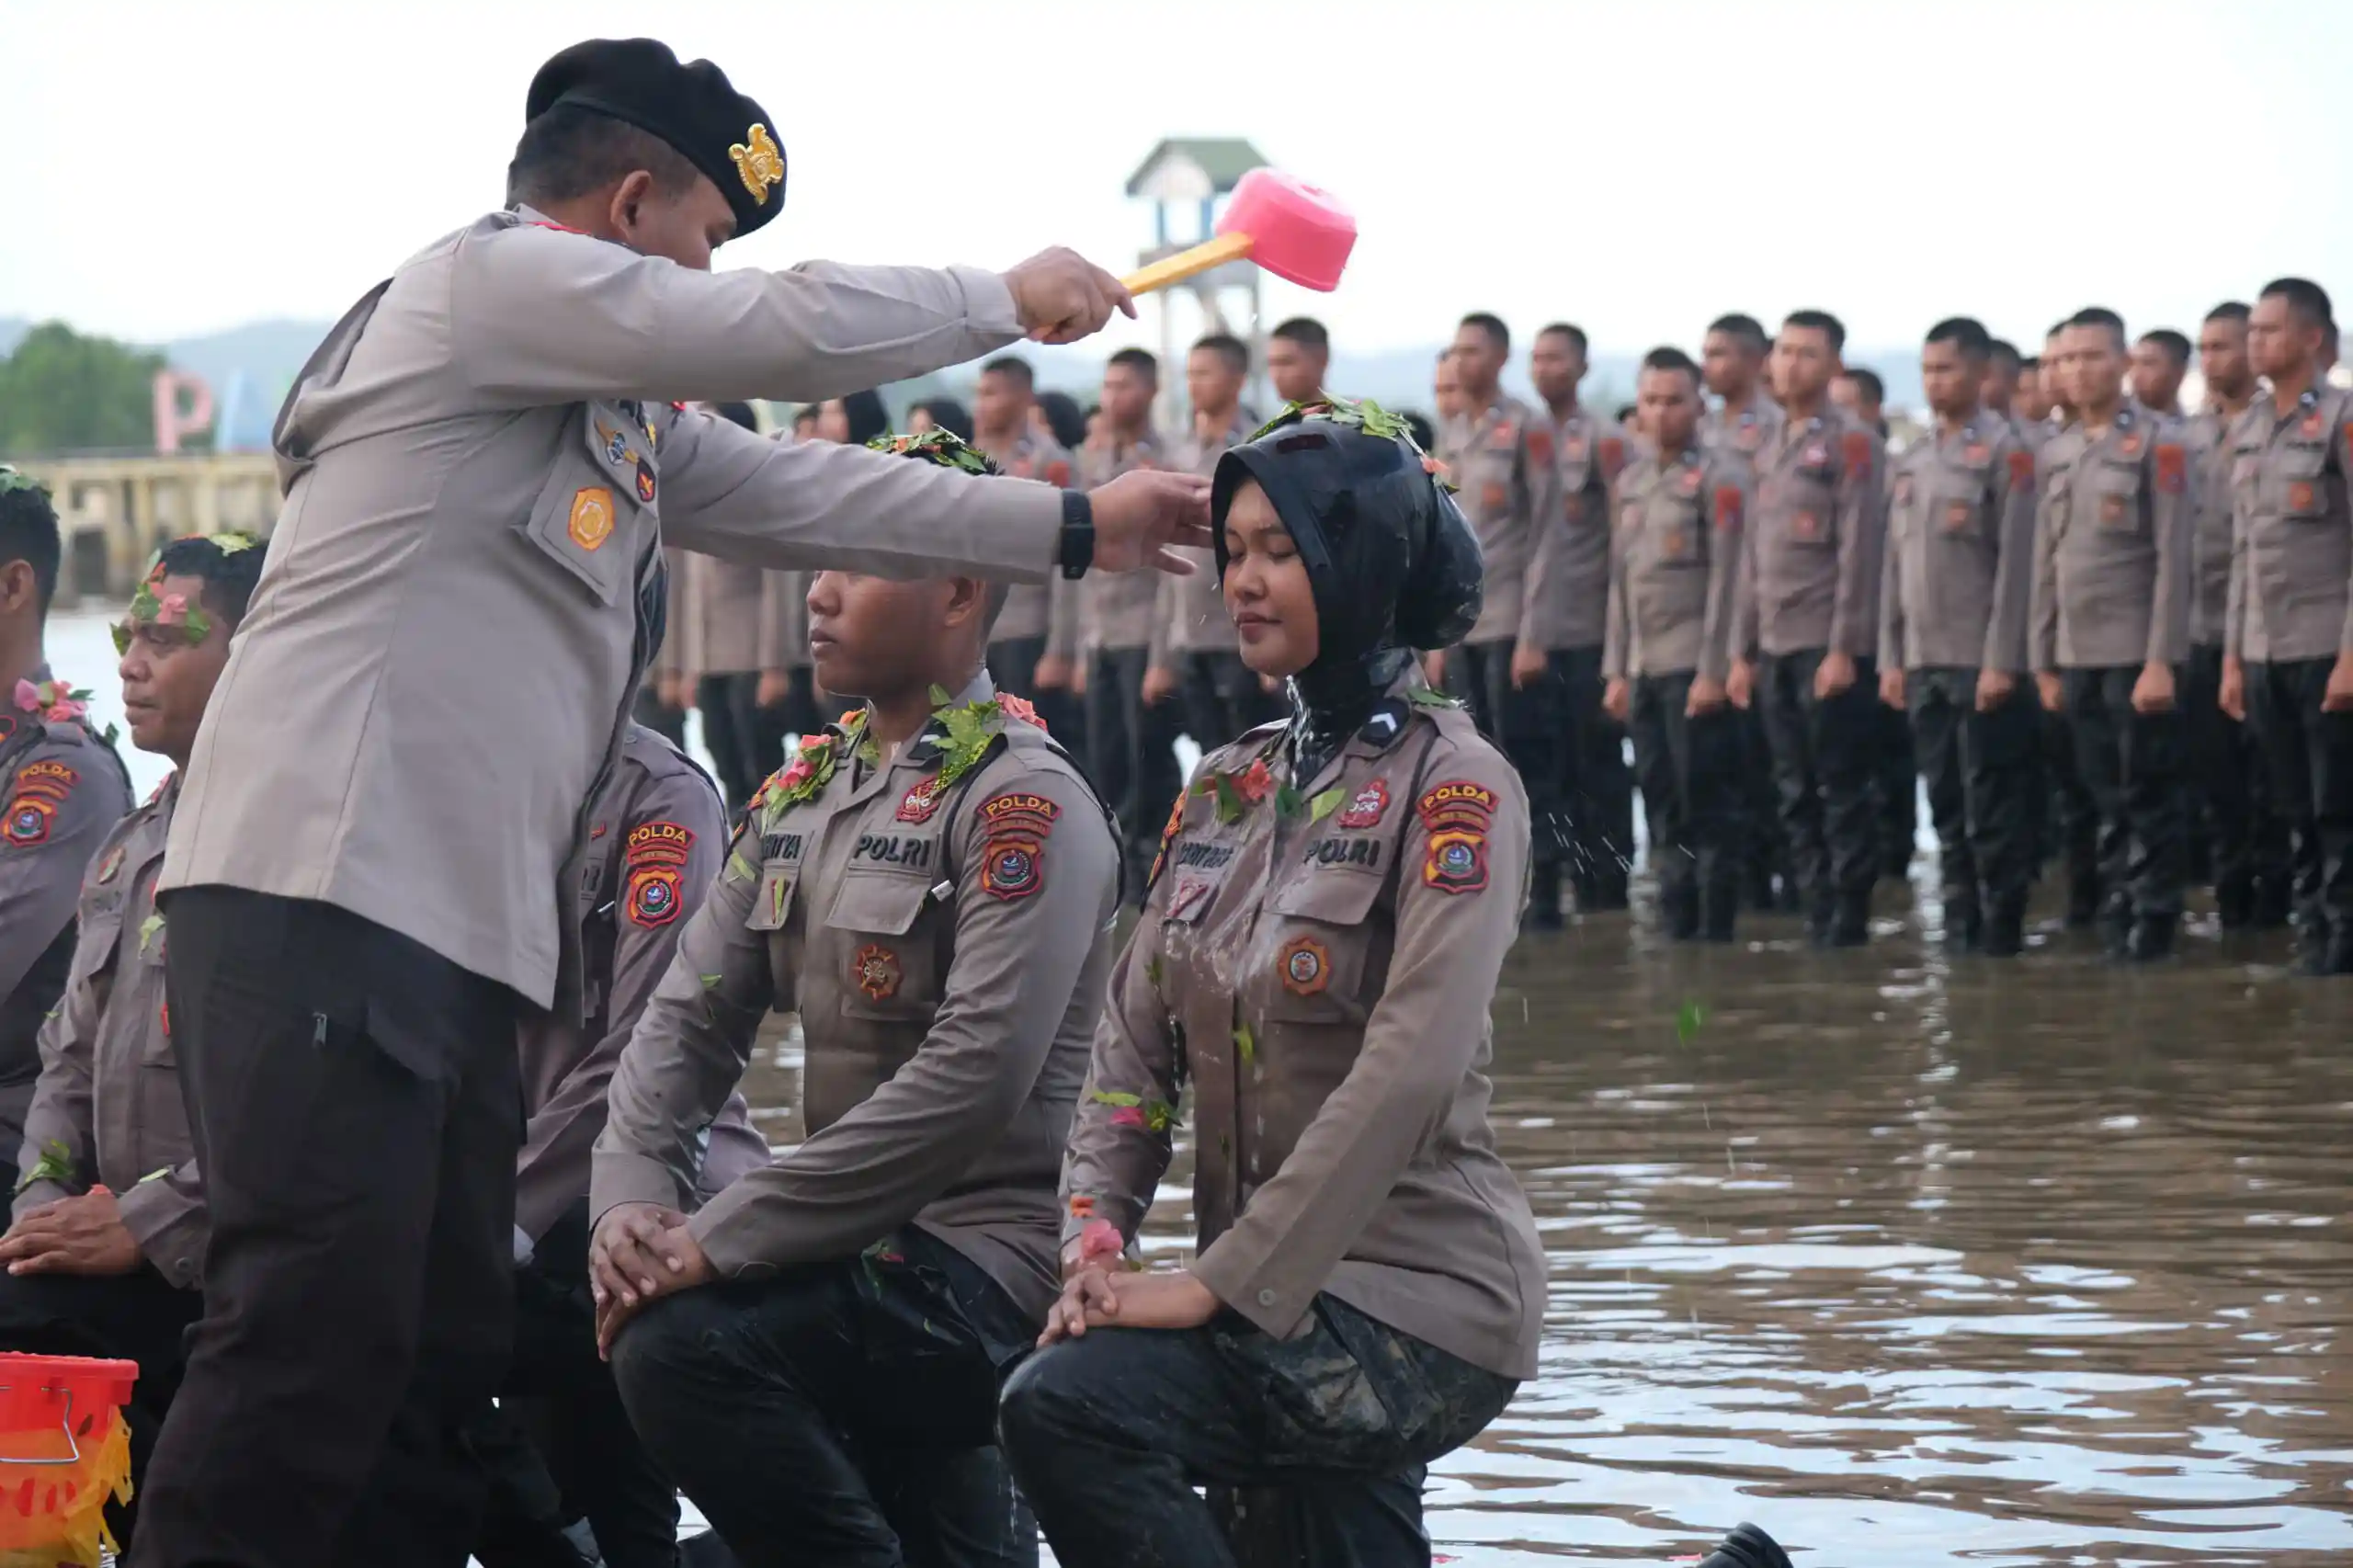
(692, 108)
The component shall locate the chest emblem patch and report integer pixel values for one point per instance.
(1306, 966)
(875, 970)
(1368, 808)
(592, 517)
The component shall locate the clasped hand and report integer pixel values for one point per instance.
(1096, 1297)
(641, 1253)
(73, 1236)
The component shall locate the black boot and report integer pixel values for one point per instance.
(2006, 931)
(1678, 909)
(2115, 934)
(1608, 894)
(1821, 917)
(2082, 902)
(2235, 902)
(2151, 938)
(1718, 906)
(1761, 896)
(1544, 899)
(2271, 905)
(1964, 927)
(1851, 926)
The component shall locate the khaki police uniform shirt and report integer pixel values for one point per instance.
(64, 788)
(108, 1101)
(656, 838)
(1568, 576)
(1747, 432)
(1197, 620)
(2112, 546)
(946, 948)
(1675, 552)
(736, 622)
(1322, 977)
(478, 468)
(2292, 569)
(2207, 437)
(1815, 538)
(1032, 609)
(1960, 551)
(1500, 459)
(1126, 609)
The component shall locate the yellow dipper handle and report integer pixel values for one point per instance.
(1189, 263)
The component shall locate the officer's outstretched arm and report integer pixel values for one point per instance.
(540, 316)
(689, 1049)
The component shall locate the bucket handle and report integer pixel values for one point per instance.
(74, 1455)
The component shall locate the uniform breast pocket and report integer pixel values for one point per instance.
(1317, 944)
(1954, 511)
(595, 509)
(892, 950)
(2303, 486)
(2117, 494)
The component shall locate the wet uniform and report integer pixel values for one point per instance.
(1500, 459)
(656, 837)
(107, 1111)
(2113, 572)
(1960, 576)
(1811, 586)
(1675, 570)
(945, 945)
(1039, 619)
(1566, 616)
(2290, 618)
(1765, 845)
(1124, 633)
(2245, 843)
(1222, 696)
(1321, 976)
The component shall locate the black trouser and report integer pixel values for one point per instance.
(560, 1397)
(746, 739)
(841, 1413)
(2071, 817)
(1765, 845)
(1132, 748)
(2131, 763)
(649, 710)
(1524, 722)
(1110, 1434)
(1013, 665)
(139, 1316)
(1825, 772)
(355, 1109)
(1980, 771)
(2246, 840)
(1898, 793)
(2309, 754)
(1222, 698)
(1689, 771)
(1596, 790)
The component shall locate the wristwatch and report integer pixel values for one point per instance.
(1077, 551)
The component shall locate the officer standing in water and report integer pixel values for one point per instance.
(480, 462)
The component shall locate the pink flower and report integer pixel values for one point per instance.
(28, 695)
(65, 711)
(1100, 1241)
(1253, 781)
(1020, 708)
(173, 612)
(1130, 1116)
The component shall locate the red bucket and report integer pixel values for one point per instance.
(63, 1451)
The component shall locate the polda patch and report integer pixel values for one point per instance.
(654, 897)
(1013, 868)
(27, 820)
(667, 841)
(1456, 862)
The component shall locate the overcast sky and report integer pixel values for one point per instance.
(1637, 166)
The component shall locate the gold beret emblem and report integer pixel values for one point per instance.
(757, 162)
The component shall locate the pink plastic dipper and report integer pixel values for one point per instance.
(1287, 226)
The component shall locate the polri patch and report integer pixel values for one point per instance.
(1367, 807)
(1540, 446)
(2022, 468)
(1727, 507)
(1305, 966)
(875, 970)
(1856, 446)
(920, 800)
(2173, 468)
(654, 896)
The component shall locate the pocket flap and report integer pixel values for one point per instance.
(886, 905)
(1332, 894)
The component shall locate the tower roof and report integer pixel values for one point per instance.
(1194, 168)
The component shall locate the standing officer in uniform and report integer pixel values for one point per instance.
(1446, 389)
(109, 1223)
(1746, 417)
(66, 787)
(656, 838)
(1952, 638)
(1132, 719)
(2004, 370)
(2068, 818)
(1299, 355)
(2288, 645)
(931, 885)
(1500, 454)
(2111, 627)
(1218, 695)
(1566, 616)
(461, 595)
(1037, 616)
(2160, 364)
(2246, 843)
(2030, 404)
(1674, 570)
(1811, 608)
(731, 635)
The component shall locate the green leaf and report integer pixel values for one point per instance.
(1288, 801)
(1246, 1042)
(56, 1163)
(1114, 1096)
(1687, 1019)
(1430, 696)
(740, 868)
(232, 543)
(144, 605)
(710, 981)
(122, 638)
(1324, 804)
(199, 624)
(157, 1175)
(1229, 799)
(941, 696)
(147, 929)
(1151, 972)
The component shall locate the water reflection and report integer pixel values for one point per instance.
(1913, 1261)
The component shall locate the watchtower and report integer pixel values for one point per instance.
(1195, 173)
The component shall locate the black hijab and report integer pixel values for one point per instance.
(1392, 563)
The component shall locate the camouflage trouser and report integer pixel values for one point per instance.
(1315, 1447)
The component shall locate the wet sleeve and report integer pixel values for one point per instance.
(690, 1048)
(1548, 531)
(660, 893)
(60, 1133)
(2341, 441)
(1425, 1031)
(2234, 597)
(1891, 602)
(1614, 628)
(2043, 616)
(1862, 526)
(165, 1212)
(1023, 946)
(1744, 599)
(541, 316)
(62, 803)
(2173, 514)
(1728, 504)
(815, 505)
(2006, 633)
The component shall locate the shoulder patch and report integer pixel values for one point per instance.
(1457, 800)
(1727, 507)
(654, 897)
(46, 776)
(1539, 445)
(660, 843)
(28, 820)
(1014, 825)
(2021, 467)
(1168, 835)
(1613, 456)
(2173, 468)
(1856, 446)
(1014, 804)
